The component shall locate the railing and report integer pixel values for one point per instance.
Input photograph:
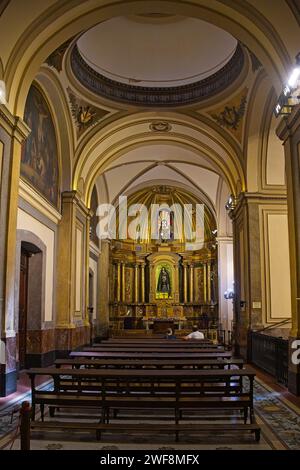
(270, 354)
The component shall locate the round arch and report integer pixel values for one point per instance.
(259, 28)
(126, 134)
(198, 193)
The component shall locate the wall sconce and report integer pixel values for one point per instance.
(229, 294)
(231, 203)
(289, 96)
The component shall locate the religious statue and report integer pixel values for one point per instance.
(164, 284)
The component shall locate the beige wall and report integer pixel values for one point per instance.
(1, 157)
(275, 171)
(276, 287)
(29, 223)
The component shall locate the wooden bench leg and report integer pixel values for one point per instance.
(42, 408)
(52, 411)
(257, 435)
(33, 412)
(98, 435)
(245, 414)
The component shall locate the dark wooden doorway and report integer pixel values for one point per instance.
(23, 307)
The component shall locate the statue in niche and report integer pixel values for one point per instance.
(164, 284)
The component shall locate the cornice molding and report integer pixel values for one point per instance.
(157, 96)
(245, 199)
(73, 197)
(29, 195)
(14, 125)
(289, 125)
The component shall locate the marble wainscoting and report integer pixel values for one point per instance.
(40, 348)
(68, 339)
(8, 371)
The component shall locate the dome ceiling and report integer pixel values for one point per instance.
(156, 54)
(163, 61)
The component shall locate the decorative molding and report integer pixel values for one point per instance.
(231, 115)
(3, 5)
(94, 251)
(84, 114)
(256, 64)
(55, 60)
(160, 126)
(157, 96)
(34, 198)
(13, 125)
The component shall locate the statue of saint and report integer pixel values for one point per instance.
(164, 284)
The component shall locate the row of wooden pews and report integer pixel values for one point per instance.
(150, 375)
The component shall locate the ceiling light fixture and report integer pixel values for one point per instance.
(290, 95)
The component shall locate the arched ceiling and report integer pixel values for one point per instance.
(27, 43)
(162, 163)
(180, 50)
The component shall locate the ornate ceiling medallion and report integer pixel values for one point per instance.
(231, 115)
(84, 114)
(160, 126)
(157, 96)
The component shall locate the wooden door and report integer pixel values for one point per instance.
(23, 297)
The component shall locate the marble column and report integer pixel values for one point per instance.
(247, 269)
(72, 321)
(204, 283)
(208, 282)
(143, 283)
(136, 283)
(185, 284)
(225, 273)
(191, 283)
(123, 281)
(13, 131)
(118, 280)
(289, 132)
(104, 266)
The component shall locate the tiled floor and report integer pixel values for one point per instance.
(277, 412)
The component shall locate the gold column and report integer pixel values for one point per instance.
(208, 282)
(118, 265)
(185, 293)
(136, 283)
(123, 280)
(191, 283)
(143, 282)
(204, 283)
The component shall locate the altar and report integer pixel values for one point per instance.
(162, 325)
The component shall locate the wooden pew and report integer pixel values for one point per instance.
(152, 349)
(151, 363)
(167, 345)
(151, 355)
(177, 390)
(156, 342)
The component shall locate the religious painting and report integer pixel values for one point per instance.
(39, 160)
(163, 281)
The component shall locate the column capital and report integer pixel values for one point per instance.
(289, 125)
(14, 125)
(73, 197)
